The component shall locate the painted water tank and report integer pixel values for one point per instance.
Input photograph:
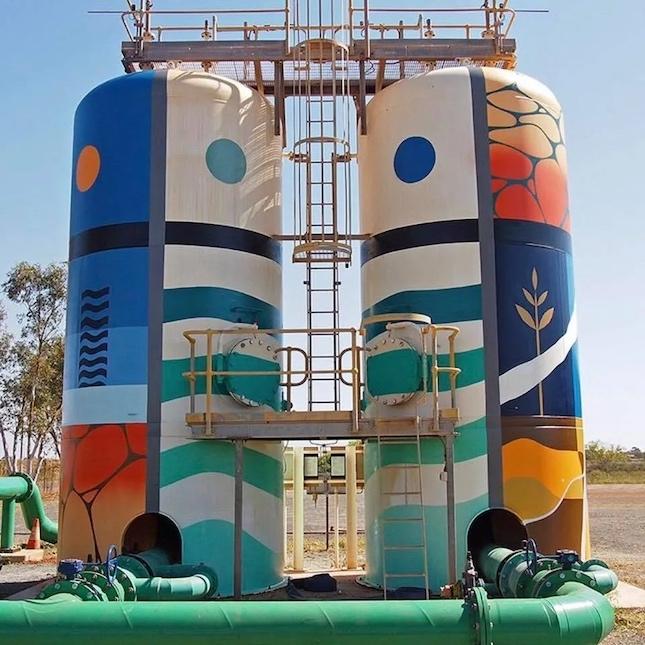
(463, 187)
(175, 201)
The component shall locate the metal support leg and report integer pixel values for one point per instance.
(351, 539)
(239, 482)
(450, 499)
(298, 510)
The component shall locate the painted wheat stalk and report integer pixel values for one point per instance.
(536, 321)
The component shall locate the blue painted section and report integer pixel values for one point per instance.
(115, 117)
(414, 159)
(212, 542)
(517, 340)
(226, 161)
(442, 305)
(217, 302)
(107, 404)
(127, 361)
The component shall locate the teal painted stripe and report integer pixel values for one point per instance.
(217, 302)
(263, 389)
(399, 371)
(411, 533)
(197, 457)
(471, 443)
(175, 386)
(212, 542)
(442, 305)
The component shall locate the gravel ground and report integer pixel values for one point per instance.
(617, 521)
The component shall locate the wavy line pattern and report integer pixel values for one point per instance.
(93, 372)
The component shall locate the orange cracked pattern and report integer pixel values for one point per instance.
(527, 153)
(103, 486)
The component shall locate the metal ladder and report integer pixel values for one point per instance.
(418, 520)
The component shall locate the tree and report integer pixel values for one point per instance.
(31, 381)
(603, 457)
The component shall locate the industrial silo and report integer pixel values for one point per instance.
(463, 192)
(175, 199)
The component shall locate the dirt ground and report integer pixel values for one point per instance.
(617, 524)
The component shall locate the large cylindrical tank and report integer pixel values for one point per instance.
(463, 190)
(175, 199)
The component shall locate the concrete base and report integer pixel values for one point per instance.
(627, 596)
(22, 555)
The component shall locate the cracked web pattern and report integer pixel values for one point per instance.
(103, 486)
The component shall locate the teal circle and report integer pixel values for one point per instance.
(226, 161)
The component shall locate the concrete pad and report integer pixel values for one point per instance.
(627, 596)
(22, 555)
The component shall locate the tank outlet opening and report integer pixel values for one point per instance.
(153, 531)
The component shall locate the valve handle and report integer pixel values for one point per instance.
(110, 564)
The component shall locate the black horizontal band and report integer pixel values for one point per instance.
(107, 238)
(135, 234)
(223, 237)
(427, 234)
(513, 231)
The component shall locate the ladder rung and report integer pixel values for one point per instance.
(403, 547)
(401, 493)
(404, 575)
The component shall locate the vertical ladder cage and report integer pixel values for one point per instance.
(322, 211)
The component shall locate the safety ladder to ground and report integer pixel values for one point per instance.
(393, 529)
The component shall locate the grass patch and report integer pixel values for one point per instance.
(616, 477)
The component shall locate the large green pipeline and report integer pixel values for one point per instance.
(21, 489)
(575, 616)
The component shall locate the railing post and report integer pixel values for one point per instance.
(435, 378)
(209, 380)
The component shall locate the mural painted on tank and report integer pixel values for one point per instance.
(544, 481)
(527, 152)
(103, 486)
(414, 160)
(93, 342)
(537, 332)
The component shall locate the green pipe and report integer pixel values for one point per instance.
(575, 616)
(196, 587)
(509, 571)
(22, 489)
(8, 525)
(12, 487)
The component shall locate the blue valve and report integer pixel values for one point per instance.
(70, 568)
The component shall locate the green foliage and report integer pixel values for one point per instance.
(605, 457)
(31, 366)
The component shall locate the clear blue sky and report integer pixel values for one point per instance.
(590, 53)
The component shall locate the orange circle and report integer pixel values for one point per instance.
(87, 168)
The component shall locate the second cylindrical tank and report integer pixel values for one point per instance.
(463, 192)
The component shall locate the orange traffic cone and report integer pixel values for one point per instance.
(34, 538)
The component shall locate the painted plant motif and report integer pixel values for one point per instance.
(536, 321)
(102, 486)
(527, 153)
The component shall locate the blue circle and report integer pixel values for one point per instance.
(414, 159)
(226, 161)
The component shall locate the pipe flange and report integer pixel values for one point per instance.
(505, 573)
(584, 566)
(527, 581)
(112, 590)
(30, 487)
(478, 600)
(80, 588)
(136, 565)
(551, 582)
(124, 578)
